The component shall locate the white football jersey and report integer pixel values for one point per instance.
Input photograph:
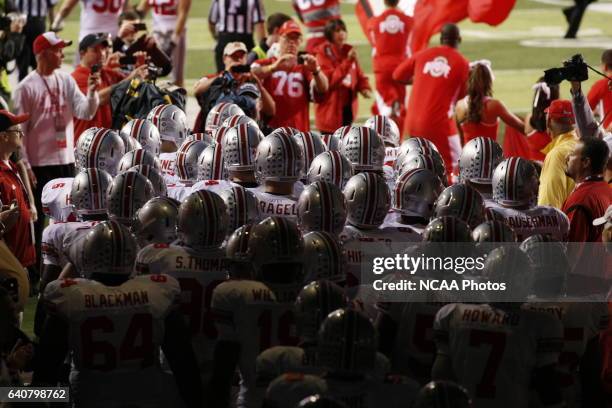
(178, 190)
(247, 312)
(216, 186)
(393, 220)
(115, 337)
(494, 351)
(55, 199)
(390, 156)
(167, 162)
(100, 16)
(279, 205)
(164, 13)
(59, 237)
(540, 219)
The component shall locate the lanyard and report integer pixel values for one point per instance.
(54, 96)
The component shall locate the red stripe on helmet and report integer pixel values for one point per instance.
(243, 144)
(337, 168)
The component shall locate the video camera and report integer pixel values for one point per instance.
(574, 69)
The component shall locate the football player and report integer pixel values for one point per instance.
(389, 132)
(479, 158)
(155, 222)
(155, 177)
(145, 132)
(127, 193)
(462, 201)
(96, 16)
(311, 145)
(115, 328)
(171, 122)
(331, 167)
(212, 173)
(186, 169)
(326, 258)
(101, 149)
(321, 207)
(55, 199)
(364, 149)
(138, 157)
(241, 207)
(219, 113)
(239, 149)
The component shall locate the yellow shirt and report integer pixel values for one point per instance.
(555, 186)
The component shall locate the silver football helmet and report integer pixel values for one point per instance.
(331, 167)
(138, 157)
(218, 135)
(278, 158)
(340, 133)
(241, 206)
(331, 142)
(354, 353)
(155, 177)
(479, 158)
(171, 122)
(240, 146)
(510, 265)
(515, 183)
(415, 193)
(101, 149)
(110, 249)
(217, 115)
(493, 231)
(236, 120)
(415, 144)
(127, 193)
(447, 229)
(210, 164)
(236, 250)
(88, 193)
(367, 200)
(201, 137)
(285, 130)
(155, 222)
(315, 301)
(187, 156)
(145, 132)
(364, 148)
(432, 162)
(203, 220)
(129, 142)
(311, 146)
(462, 201)
(326, 257)
(386, 128)
(321, 207)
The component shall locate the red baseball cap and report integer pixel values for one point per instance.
(289, 27)
(560, 108)
(48, 40)
(7, 119)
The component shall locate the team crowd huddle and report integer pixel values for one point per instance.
(223, 265)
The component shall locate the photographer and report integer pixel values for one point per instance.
(93, 50)
(600, 94)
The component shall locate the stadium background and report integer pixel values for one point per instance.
(528, 42)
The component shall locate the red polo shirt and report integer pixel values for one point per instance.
(19, 237)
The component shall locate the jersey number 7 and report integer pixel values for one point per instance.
(497, 343)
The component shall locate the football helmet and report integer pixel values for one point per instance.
(462, 201)
(88, 193)
(145, 132)
(314, 302)
(340, 133)
(432, 162)
(138, 157)
(218, 135)
(515, 183)
(210, 164)
(442, 394)
(326, 258)
(187, 156)
(127, 193)
(171, 122)
(386, 128)
(415, 193)
(347, 342)
(236, 120)
(110, 249)
(201, 137)
(364, 148)
(101, 149)
(155, 222)
(548, 256)
(415, 144)
(129, 142)
(320, 401)
(240, 146)
(217, 115)
(241, 206)
(285, 130)
(154, 176)
(447, 229)
(237, 246)
(311, 146)
(479, 158)
(510, 265)
(331, 167)
(279, 158)
(367, 200)
(331, 142)
(202, 220)
(493, 231)
(321, 207)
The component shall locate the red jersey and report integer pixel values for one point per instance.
(600, 97)
(291, 93)
(439, 76)
(389, 34)
(104, 114)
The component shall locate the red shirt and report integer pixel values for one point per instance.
(104, 114)
(600, 96)
(439, 76)
(389, 34)
(291, 93)
(19, 237)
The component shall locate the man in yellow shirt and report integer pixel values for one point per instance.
(555, 185)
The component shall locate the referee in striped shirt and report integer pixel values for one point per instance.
(37, 11)
(235, 20)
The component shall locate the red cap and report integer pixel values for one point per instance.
(48, 40)
(7, 119)
(560, 108)
(289, 27)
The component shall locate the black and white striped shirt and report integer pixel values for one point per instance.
(236, 16)
(35, 8)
